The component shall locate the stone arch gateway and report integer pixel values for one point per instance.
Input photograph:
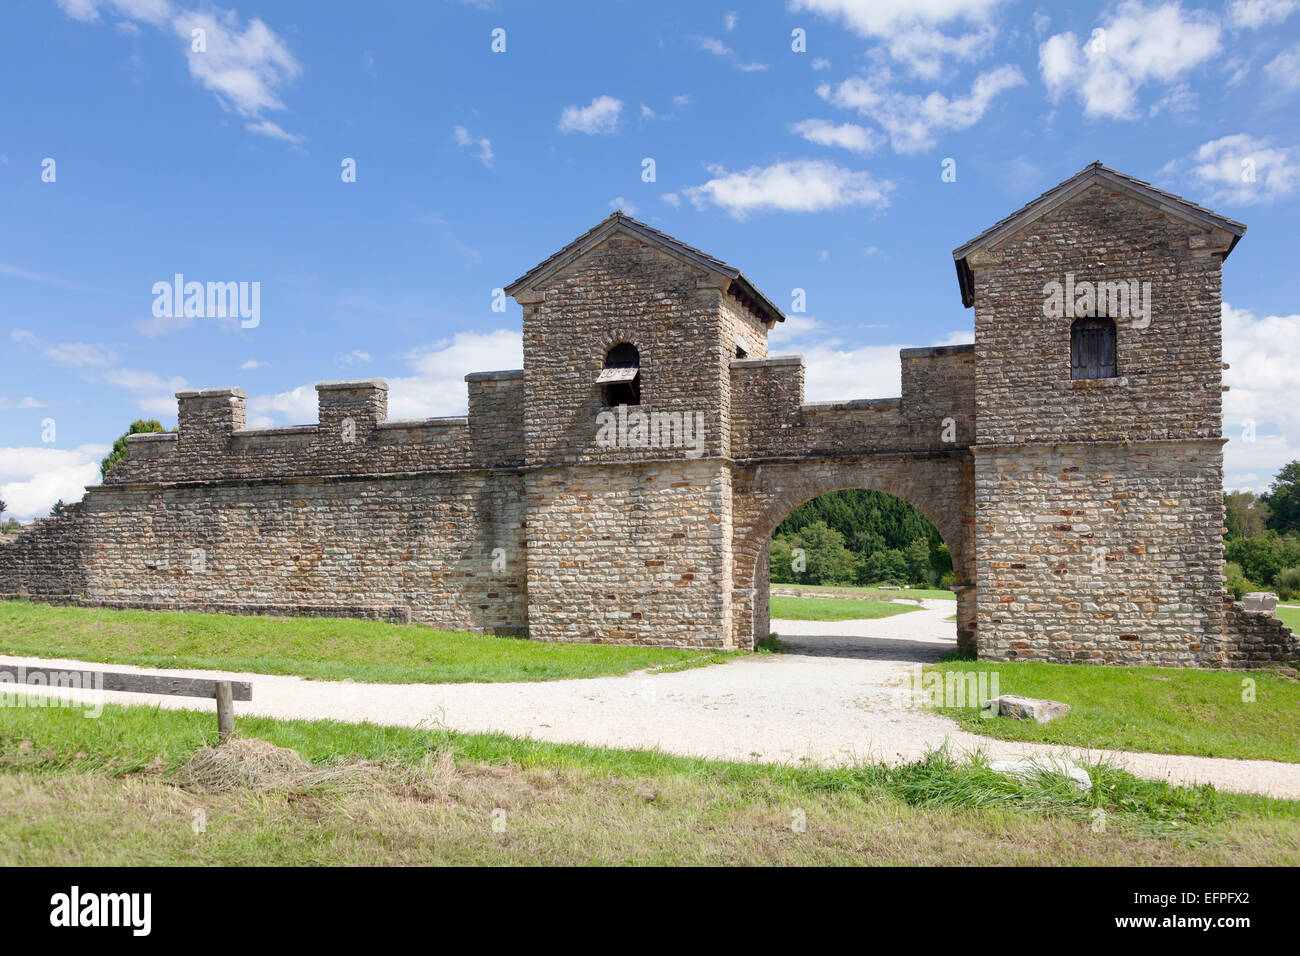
(1084, 515)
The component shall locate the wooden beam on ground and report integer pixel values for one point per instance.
(57, 677)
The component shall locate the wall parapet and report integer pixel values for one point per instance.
(352, 436)
(936, 410)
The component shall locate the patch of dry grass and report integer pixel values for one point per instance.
(448, 813)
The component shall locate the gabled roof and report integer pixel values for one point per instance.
(619, 221)
(1090, 175)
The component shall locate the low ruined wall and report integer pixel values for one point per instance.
(46, 561)
(1257, 639)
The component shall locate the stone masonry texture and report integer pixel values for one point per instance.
(1084, 518)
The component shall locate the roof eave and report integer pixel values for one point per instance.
(1063, 192)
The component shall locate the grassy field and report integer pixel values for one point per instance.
(1161, 710)
(105, 792)
(889, 595)
(319, 648)
(834, 609)
(1290, 616)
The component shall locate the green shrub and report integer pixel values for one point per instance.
(1237, 582)
(1287, 583)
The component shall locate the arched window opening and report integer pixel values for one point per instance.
(621, 377)
(1093, 348)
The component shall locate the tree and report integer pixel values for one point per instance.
(3, 507)
(828, 561)
(57, 509)
(883, 567)
(1283, 499)
(917, 558)
(119, 447)
(1245, 515)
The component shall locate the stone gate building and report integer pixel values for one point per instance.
(623, 486)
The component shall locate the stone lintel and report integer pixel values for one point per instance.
(501, 376)
(213, 393)
(359, 385)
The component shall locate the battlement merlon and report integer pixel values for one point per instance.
(353, 436)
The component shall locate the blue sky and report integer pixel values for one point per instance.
(817, 169)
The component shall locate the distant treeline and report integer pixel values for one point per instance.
(859, 537)
(1262, 546)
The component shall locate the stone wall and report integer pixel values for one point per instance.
(415, 548)
(1170, 369)
(634, 554)
(1257, 639)
(1100, 552)
(623, 291)
(936, 411)
(1084, 518)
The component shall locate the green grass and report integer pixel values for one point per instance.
(1290, 617)
(99, 792)
(317, 648)
(1160, 710)
(833, 609)
(937, 593)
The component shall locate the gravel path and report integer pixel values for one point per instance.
(836, 697)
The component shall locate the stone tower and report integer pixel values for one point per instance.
(1098, 398)
(629, 336)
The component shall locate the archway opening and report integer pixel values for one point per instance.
(858, 572)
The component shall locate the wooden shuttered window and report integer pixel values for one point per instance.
(1092, 348)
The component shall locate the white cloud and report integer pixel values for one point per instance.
(1253, 14)
(1136, 46)
(912, 121)
(672, 199)
(1284, 69)
(1262, 354)
(910, 30)
(683, 99)
(618, 202)
(730, 20)
(23, 403)
(598, 118)
(355, 357)
(135, 380)
(484, 145)
(157, 325)
(821, 63)
(1240, 169)
(799, 186)
(294, 407)
(33, 479)
(80, 355)
(251, 364)
(1179, 100)
(243, 65)
(99, 364)
(716, 47)
(857, 139)
(159, 406)
(274, 131)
